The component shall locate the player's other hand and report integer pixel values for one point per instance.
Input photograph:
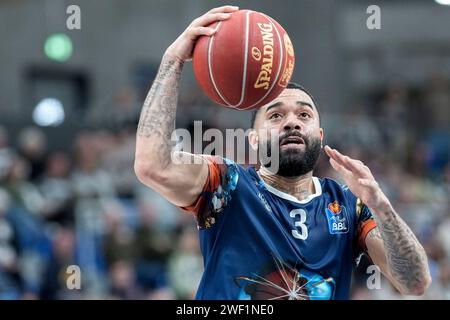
(358, 178)
(183, 46)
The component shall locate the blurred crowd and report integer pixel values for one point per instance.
(84, 206)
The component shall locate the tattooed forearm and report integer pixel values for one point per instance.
(406, 257)
(157, 120)
(158, 112)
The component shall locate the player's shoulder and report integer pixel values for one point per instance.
(226, 171)
(330, 185)
(225, 163)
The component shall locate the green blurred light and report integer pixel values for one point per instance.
(58, 46)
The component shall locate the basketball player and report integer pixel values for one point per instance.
(274, 235)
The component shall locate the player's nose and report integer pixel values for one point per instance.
(292, 123)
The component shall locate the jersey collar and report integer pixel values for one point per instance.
(284, 195)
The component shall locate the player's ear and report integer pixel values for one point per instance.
(253, 139)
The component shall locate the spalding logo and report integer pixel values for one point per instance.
(263, 80)
(256, 53)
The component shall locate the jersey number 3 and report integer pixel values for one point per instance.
(301, 230)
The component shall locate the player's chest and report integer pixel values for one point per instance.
(317, 225)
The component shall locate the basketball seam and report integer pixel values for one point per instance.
(279, 67)
(244, 72)
(210, 68)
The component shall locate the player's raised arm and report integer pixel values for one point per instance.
(392, 245)
(179, 183)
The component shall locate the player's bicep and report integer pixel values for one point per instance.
(182, 181)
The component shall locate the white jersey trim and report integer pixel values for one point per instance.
(286, 196)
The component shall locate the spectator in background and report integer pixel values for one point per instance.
(154, 246)
(123, 281)
(30, 239)
(56, 189)
(33, 146)
(119, 239)
(118, 162)
(93, 188)
(437, 135)
(185, 265)
(6, 154)
(23, 191)
(396, 113)
(9, 277)
(436, 98)
(63, 255)
(136, 258)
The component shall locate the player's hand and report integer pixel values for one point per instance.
(358, 178)
(183, 46)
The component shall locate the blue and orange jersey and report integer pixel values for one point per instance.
(258, 242)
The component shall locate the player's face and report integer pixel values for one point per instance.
(295, 120)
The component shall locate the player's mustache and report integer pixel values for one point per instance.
(293, 133)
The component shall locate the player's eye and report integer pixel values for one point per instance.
(305, 115)
(274, 116)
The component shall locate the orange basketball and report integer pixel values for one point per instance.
(246, 63)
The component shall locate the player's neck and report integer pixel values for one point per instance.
(299, 187)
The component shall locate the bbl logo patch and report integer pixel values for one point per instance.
(337, 221)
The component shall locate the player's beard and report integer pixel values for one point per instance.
(295, 162)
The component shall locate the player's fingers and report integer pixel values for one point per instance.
(227, 8)
(201, 31)
(332, 153)
(355, 166)
(340, 168)
(328, 151)
(210, 18)
(368, 183)
(337, 156)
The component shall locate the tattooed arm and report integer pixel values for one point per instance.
(179, 183)
(391, 245)
(153, 162)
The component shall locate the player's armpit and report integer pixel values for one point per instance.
(212, 182)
